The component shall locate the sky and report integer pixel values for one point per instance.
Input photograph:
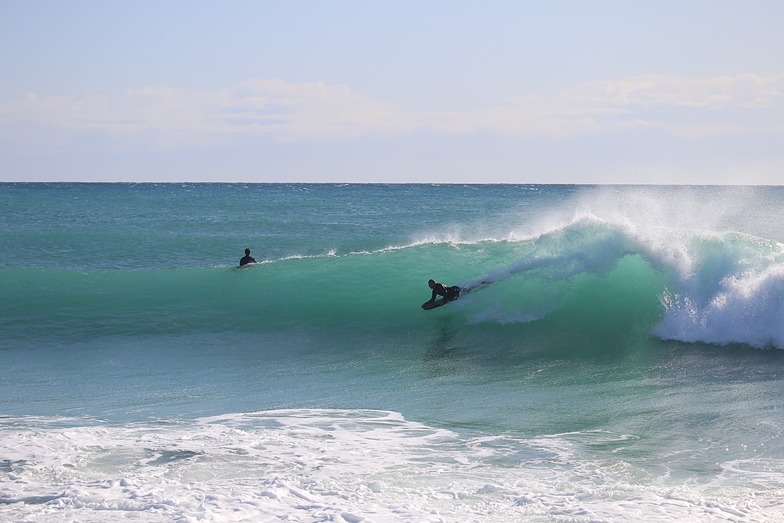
(517, 91)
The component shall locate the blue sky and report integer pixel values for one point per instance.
(371, 91)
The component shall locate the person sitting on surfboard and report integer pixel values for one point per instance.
(439, 289)
(247, 258)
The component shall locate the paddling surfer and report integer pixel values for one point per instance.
(247, 258)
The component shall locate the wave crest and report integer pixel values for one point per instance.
(719, 288)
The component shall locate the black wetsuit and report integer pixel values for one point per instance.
(246, 260)
(449, 293)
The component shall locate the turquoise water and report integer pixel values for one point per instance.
(622, 361)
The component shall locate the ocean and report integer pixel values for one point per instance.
(620, 357)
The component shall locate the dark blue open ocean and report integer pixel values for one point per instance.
(624, 360)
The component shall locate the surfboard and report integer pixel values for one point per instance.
(434, 304)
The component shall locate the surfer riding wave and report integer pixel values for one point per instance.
(439, 289)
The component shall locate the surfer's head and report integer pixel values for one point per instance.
(247, 252)
(431, 283)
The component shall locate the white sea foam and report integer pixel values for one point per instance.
(324, 465)
(746, 308)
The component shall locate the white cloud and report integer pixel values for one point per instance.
(292, 111)
(301, 111)
(650, 91)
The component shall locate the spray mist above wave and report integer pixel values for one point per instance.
(723, 251)
(725, 285)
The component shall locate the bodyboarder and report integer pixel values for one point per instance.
(439, 289)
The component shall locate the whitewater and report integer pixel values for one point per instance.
(620, 358)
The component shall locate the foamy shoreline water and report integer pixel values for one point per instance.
(307, 465)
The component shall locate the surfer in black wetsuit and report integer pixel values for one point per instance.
(439, 289)
(247, 258)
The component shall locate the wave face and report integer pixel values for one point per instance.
(606, 277)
